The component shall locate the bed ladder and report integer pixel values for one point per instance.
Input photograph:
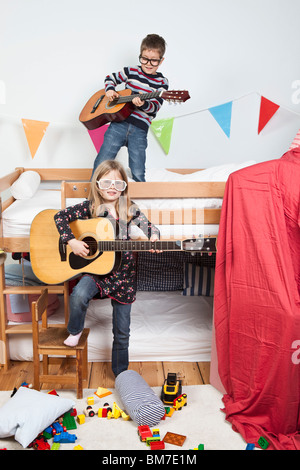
(8, 330)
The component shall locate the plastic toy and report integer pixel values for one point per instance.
(89, 412)
(176, 439)
(90, 400)
(263, 443)
(81, 419)
(55, 446)
(65, 438)
(102, 412)
(144, 432)
(78, 447)
(157, 445)
(250, 447)
(102, 392)
(171, 389)
(180, 402)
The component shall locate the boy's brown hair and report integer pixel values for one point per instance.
(154, 41)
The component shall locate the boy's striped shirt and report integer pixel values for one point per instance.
(139, 82)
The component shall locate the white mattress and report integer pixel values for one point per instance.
(165, 326)
(17, 218)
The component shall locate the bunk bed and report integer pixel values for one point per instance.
(170, 321)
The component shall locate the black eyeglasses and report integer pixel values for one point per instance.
(145, 60)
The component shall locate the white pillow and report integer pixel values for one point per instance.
(217, 173)
(29, 412)
(26, 185)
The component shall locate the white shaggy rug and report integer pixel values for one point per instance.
(201, 421)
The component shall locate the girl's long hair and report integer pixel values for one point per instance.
(96, 202)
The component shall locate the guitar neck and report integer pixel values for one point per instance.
(138, 245)
(142, 96)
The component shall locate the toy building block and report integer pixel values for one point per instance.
(152, 439)
(157, 445)
(55, 446)
(102, 392)
(250, 446)
(102, 412)
(263, 443)
(78, 447)
(170, 413)
(201, 447)
(65, 438)
(81, 419)
(90, 400)
(69, 421)
(176, 439)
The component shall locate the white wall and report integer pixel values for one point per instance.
(55, 53)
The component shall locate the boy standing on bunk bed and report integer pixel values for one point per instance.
(132, 132)
(108, 184)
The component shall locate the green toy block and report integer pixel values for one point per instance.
(263, 443)
(69, 421)
(55, 446)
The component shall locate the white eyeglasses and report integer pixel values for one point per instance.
(105, 184)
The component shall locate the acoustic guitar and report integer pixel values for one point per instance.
(54, 262)
(99, 110)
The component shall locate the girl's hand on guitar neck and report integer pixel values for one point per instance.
(153, 239)
(79, 247)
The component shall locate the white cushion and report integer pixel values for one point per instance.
(26, 185)
(29, 412)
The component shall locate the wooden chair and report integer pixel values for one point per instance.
(48, 341)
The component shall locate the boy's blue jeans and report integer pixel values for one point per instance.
(81, 295)
(120, 134)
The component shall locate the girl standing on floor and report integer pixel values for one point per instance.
(108, 184)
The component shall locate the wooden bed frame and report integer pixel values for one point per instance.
(75, 184)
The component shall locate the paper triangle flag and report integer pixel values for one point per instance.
(162, 129)
(267, 110)
(34, 131)
(222, 115)
(97, 136)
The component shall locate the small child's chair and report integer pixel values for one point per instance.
(49, 340)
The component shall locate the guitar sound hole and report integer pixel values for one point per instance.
(92, 245)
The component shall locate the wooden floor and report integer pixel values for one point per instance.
(100, 374)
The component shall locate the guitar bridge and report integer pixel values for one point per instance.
(97, 103)
(62, 248)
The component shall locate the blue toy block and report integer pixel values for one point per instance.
(250, 447)
(58, 427)
(65, 438)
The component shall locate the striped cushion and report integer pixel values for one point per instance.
(139, 400)
(296, 141)
(198, 280)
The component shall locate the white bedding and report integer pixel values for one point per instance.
(17, 218)
(165, 326)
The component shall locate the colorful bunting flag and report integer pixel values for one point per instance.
(162, 129)
(34, 131)
(267, 110)
(222, 115)
(97, 136)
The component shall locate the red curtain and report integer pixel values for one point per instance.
(257, 304)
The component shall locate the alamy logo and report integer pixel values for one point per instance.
(296, 93)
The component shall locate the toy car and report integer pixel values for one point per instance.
(144, 432)
(171, 389)
(180, 402)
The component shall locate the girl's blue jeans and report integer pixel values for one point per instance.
(120, 134)
(81, 295)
